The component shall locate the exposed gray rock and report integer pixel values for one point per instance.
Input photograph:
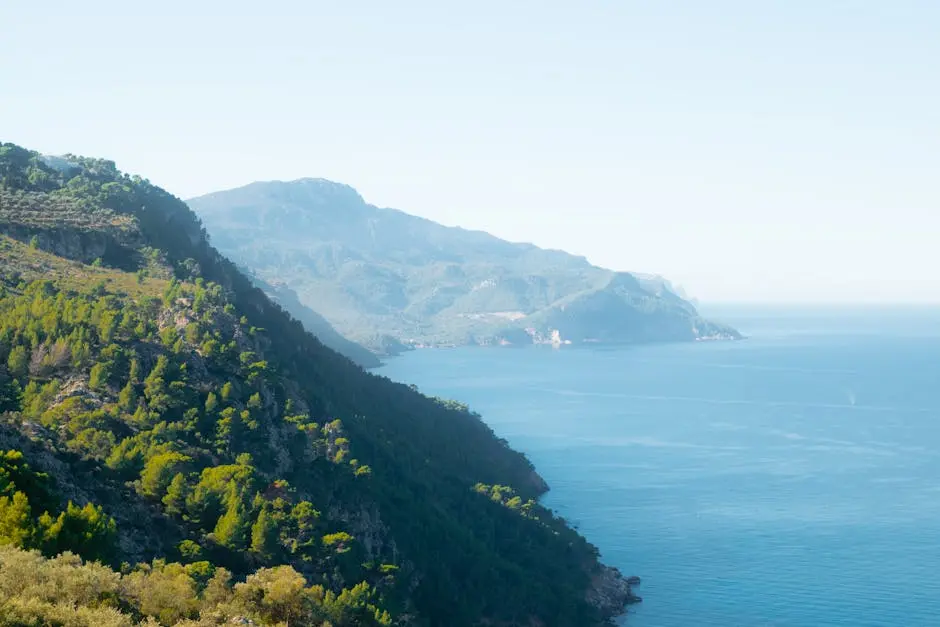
(611, 592)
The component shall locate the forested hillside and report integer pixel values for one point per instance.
(165, 418)
(383, 277)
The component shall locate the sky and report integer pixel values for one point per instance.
(750, 151)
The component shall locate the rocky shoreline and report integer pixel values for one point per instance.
(611, 593)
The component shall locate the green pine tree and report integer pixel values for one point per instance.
(176, 493)
(16, 526)
(232, 528)
(212, 403)
(18, 362)
(264, 535)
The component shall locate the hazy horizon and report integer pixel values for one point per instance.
(777, 154)
(705, 303)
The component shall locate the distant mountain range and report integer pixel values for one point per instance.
(389, 280)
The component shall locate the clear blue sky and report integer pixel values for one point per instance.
(750, 150)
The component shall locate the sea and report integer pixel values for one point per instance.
(789, 479)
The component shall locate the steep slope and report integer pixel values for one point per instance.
(160, 407)
(314, 323)
(379, 272)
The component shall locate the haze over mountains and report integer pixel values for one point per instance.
(315, 323)
(387, 279)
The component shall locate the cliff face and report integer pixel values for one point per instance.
(373, 271)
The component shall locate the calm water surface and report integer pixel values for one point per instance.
(790, 479)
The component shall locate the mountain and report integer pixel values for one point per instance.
(380, 273)
(161, 415)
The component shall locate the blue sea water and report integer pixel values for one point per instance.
(789, 479)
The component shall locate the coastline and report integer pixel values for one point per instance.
(609, 591)
(567, 344)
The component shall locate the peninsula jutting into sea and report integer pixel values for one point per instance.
(391, 281)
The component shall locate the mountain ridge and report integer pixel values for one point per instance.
(374, 271)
